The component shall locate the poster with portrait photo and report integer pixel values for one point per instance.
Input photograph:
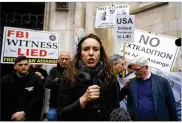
(105, 15)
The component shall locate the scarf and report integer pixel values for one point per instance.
(87, 73)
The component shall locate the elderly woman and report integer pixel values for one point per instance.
(88, 91)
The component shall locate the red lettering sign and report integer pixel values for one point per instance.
(32, 52)
(19, 34)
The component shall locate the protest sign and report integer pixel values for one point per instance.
(105, 15)
(124, 29)
(38, 46)
(159, 50)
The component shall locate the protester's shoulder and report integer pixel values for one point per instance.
(35, 79)
(35, 76)
(67, 85)
(6, 77)
(112, 80)
(31, 67)
(43, 70)
(113, 77)
(53, 69)
(160, 78)
(132, 79)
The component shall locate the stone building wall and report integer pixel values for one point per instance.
(162, 18)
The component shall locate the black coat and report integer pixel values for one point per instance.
(21, 94)
(55, 72)
(41, 70)
(69, 108)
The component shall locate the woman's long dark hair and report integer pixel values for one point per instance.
(71, 72)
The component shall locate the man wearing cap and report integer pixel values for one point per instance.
(150, 97)
(21, 93)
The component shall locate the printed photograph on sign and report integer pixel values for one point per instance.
(105, 15)
(33, 44)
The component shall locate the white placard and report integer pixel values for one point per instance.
(37, 46)
(105, 15)
(124, 29)
(159, 50)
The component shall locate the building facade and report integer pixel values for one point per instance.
(161, 18)
(72, 19)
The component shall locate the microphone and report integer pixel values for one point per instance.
(96, 103)
(93, 76)
(178, 42)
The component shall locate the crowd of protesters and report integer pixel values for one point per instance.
(88, 87)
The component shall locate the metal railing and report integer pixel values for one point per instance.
(28, 21)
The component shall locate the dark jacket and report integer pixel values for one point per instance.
(21, 94)
(41, 70)
(55, 72)
(69, 108)
(162, 95)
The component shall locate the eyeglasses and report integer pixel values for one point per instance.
(136, 70)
